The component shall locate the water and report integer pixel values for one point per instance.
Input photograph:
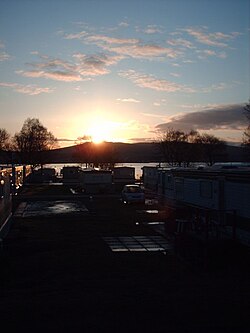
(137, 166)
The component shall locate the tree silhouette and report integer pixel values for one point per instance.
(182, 148)
(246, 134)
(172, 144)
(4, 139)
(101, 155)
(32, 140)
(209, 146)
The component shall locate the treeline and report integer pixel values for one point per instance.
(180, 148)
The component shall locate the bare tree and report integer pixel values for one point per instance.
(247, 110)
(209, 145)
(246, 134)
(32, 140)
(105, 156)
(246, 137)
(183, 148)
(84, 150)
(4, 139)
(173, 145)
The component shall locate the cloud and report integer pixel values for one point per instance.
(26, 89)
(82, 68)
(223, 117)
(151, 29)
(111, 40)
(53, 75)
(52, 68)
(198, 106)
(98, 38)
(3, 55)
(151, 82)
(128, 100)
(181, 42)
(146, 51)
(78, 35)
(131, 47)
(175, 74)
(204, 54)
(92, 65)
(152, 115)
(217, 39)
(123, 24)
(195, 37)
(160, 102)
(216, 87)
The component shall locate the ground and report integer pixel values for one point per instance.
(58, 273)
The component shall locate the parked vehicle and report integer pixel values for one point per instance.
(133, 194)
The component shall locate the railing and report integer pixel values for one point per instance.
(11, 179)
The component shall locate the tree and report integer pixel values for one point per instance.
(246, 137)
(32, 140)
(173, 145)
(4, 139)
(84, 150)
(247, 110)
(209, 145)
(101, 155)
(246, 134)
(105, 156)
(183, 148)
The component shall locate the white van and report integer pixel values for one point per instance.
(133, 193)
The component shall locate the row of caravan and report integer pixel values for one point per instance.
(223, 194)
(98, 181)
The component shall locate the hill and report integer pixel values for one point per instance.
(118, 153)
(125, 152)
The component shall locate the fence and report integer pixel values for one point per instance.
(11, 179)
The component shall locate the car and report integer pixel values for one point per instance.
(133, 193)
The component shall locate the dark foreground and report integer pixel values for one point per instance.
(58, 274)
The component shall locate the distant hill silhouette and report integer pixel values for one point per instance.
(118, 153)
(136, 152)
(107, 151)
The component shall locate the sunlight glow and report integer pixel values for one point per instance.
(102, 131)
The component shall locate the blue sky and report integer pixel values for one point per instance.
(124, 70)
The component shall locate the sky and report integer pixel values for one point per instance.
(125, 70)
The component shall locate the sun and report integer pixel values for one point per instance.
(101, 132)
